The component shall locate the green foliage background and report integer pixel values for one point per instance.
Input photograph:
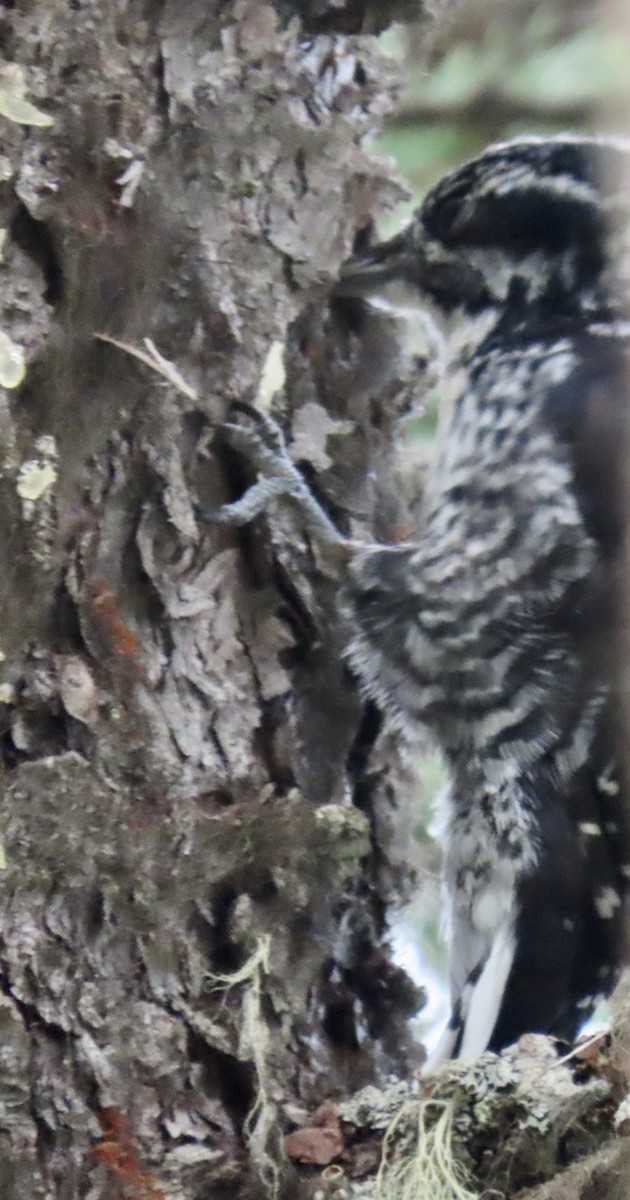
(500, 70)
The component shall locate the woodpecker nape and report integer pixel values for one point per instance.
(499, 629)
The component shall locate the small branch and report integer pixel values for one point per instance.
(492, 107)
(152, 358)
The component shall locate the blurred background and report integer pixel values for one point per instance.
(500, 69)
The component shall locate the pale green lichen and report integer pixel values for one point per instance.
(485, 1082)
(429, 1171)
(254, 1046)
(537, 1117)
(417, 1161)
(376, 1107)
(36, 475)
(35, 478)
(35, 482)
(272, 376)
(622, 1117)
(13, 103)
(347, 828)
(12, 362)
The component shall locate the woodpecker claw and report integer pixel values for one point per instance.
(267, 430)
(263, 444)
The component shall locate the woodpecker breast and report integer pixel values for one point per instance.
(499, 627)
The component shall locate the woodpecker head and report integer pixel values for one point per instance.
(524, 225)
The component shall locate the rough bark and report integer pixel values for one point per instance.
(199, 815)
(202, 823)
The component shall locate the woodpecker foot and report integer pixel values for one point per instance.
(260, 440)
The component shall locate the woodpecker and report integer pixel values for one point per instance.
(499, 628)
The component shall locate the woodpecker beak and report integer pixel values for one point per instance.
(407, 272)
(370, 274)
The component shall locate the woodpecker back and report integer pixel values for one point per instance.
(499, 627)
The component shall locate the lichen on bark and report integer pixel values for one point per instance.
(188, 771)
(202, 823)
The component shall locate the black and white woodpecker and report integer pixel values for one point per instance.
(499, 628)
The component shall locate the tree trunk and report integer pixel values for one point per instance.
(200, 822)
(203, 824)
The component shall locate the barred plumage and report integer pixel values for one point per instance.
(498, 628)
